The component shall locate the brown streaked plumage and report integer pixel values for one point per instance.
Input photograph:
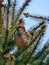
(20, 37)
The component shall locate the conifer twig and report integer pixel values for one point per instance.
(42, 57)
(22, 9)
(34, 47)
(13, 12)
(7, 27)
(36, 16)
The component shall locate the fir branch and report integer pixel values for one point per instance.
(34, 47)
(22, 9)
(32, 31)
(42, 57)
(6, 34)
(7, 28)
(36, 16)
(39, 60)
(13, 12)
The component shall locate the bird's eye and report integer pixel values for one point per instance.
(19, 34)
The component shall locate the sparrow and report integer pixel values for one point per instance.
(20, 36)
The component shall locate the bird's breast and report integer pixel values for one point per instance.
(20, 41)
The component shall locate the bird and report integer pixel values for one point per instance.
(20, 36)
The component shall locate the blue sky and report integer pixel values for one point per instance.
(38, 7)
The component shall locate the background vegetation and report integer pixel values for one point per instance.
(26, 55)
